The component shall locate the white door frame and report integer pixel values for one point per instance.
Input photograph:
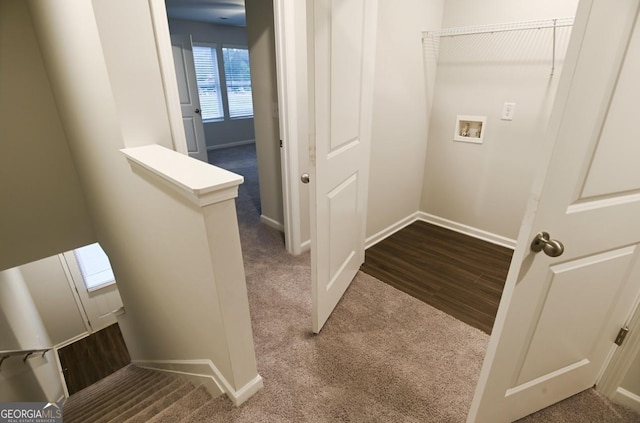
(293, 100)
(162, 36)
(622, 359)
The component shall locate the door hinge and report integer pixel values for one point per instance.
(622, 335)
(280, 143)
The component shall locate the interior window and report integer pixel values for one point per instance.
(94, 266)
(233, 63)
(238, 77)
(205, 60)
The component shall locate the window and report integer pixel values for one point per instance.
(233, 63)
(238, 77)
(94, 266)
(205, 60)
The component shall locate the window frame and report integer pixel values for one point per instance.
(217, 48)
(226, 87)
(82, 268)
(222, 78)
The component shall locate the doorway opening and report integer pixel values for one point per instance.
(233, 76)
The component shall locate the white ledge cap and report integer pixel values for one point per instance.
(200, 182)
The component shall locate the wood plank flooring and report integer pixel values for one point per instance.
(458, 274)
(92, 358)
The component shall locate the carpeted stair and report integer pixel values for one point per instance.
(136, 395)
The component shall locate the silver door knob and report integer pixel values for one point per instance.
(551, 247)
(305, 178)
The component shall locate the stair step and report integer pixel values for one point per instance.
(93, 401)
(136, 395)
(194, 400)
(139, 402)
(160, 404)
(215, 407)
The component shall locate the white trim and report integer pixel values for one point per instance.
(291, 74)
(390, 230)
(76, 296)
(622, 359)
(206, 373)
(442, 222)
(468, 230)
(628, 399)
(230, 144)
(271, 223)
(197, 181)
(168, 72)
(305, 246)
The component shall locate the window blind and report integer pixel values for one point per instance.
(205, 60)
(238, 77)
(94, 266)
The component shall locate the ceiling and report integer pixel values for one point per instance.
(221, 12)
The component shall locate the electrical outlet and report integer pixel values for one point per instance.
(507, 111)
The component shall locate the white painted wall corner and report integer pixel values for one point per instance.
(444, 223)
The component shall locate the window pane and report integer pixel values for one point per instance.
(238, 76)
(94, 266)
(205, 60)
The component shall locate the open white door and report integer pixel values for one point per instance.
(188, 92)
(559, 316)
(343, 61)
(99, 306)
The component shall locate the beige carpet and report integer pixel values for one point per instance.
(383, 356)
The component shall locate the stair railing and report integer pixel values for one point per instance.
(27, 353)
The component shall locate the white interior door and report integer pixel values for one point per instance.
(343, 62)
(559, 316)
(99, 306)
(188, 92)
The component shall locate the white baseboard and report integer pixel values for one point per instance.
(390, 230)
(271, 223)
(628, 399)
(230, 144)
(206, 373)
(305, 246)
(467, 230)
(445, 223)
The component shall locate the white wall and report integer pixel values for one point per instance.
(21, 328)
(52, 295)
(262, 54)
(229, 131)
(399, 126)
(43, 209)
(465, 13)
(631, 383)
(155, 239)
(486, 186)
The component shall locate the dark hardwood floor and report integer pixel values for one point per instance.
(458, 274)
(93, 358)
